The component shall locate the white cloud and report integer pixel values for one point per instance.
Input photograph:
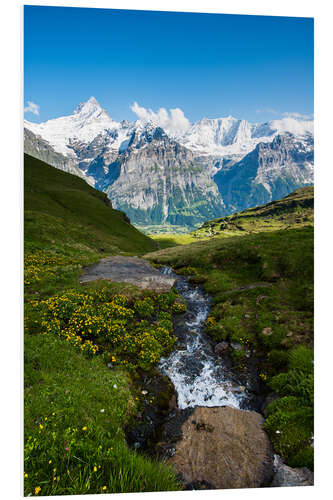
(32, 108)
(298, 116)
(173, 121)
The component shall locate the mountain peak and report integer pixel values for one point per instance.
(89, 107)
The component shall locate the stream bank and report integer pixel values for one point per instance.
(193, 413)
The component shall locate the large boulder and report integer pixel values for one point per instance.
(287, 476)
(131, 270)
(224, 448)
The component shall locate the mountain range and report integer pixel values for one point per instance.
(166, 178)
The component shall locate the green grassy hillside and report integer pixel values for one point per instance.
(262, 286)
(76, 407)
(295, 210)
(67, 225)
(61, 207)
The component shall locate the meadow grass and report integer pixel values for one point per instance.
(83, 344)
(171, 240)
(75, 412)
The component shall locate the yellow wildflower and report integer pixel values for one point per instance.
(37, 490)
(84, 428)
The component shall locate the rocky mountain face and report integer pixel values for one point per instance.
(41, 149)
(161, 177)
(157, 182)
(269, 172)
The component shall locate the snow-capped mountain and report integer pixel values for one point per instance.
(220, 136)
(87, 121)
(230, 136)
(159, 176)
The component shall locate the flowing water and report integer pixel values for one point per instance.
(200, 377)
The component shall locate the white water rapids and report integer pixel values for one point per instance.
(199, 376)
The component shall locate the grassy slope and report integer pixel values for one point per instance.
(75, 407)
(275, 321)
(69, 225)
(296, 209)
(63, 207)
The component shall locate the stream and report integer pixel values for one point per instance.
(200, 377)
(194, 373)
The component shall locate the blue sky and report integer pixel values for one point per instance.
(253, 67)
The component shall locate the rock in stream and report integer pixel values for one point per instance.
(222, 448)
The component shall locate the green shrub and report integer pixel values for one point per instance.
(145, 307)
(301, 359)
(277, 361)
(290, 419)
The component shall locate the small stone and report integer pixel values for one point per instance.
(287, 476)
(289, 334)
(260, 298)
(267, 331)
(221, 348)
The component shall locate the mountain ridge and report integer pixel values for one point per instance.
(116, 156)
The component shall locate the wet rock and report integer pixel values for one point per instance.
(131, 270)
(173, 402)
(269, 399)
(144, 428)
(221, 348)
(192, 366)
(225, 448)
(287, 476)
